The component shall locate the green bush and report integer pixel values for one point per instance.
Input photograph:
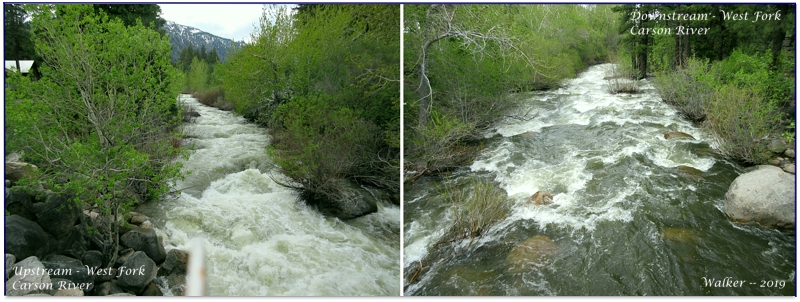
(214, 97)
(741, 119)
(316, 143)
(686, 89)
(100, 121)
(440, 144)
(476, 208)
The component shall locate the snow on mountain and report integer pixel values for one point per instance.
(181, 36)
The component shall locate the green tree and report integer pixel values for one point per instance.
(197, 78)
(18, 44)
(148, 14)
(98, 123)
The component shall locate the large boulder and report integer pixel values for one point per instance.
(72, 243)
(25, 238)
(19, 202)
(764, 195)
(678, 135)
(70, 269)
(137, 272)
(145, 240)
(58, 214)
(347, 202)
(29, 277)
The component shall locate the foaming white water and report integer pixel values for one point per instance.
(634, 126)
(258, 239)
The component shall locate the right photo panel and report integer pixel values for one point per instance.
(602, 150)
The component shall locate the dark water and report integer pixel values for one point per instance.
(633, 213)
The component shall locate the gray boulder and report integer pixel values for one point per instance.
(145, 240)
(29, 277)
(764, 195)
(70, 269)
(776, 145)
(58, 215)
(92, 258)
(137, 272)
(347, 202)
(72, 243)
(19, 202)
(25, 238)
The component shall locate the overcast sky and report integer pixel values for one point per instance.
(231, 21)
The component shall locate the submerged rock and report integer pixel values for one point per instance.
(765, 195)
(541, 198)
(534, 250)
(677, 135)
(692, 173)
(678, 234)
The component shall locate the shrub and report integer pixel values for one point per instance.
(316, 145)
(740, 119)
(440, 143)
(476, 208)
(620, 79)
(214, 97)
(686, 89)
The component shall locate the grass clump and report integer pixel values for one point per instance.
(476, 208)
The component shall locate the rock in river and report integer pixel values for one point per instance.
(677, 135)
(765, 195)
(534, 250)
(541, 198)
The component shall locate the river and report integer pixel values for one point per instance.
(259, 240)
(633, 213)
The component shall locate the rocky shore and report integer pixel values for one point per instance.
(52, 248)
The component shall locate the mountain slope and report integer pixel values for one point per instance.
(181, 36)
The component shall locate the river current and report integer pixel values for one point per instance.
(633, 213)
(259, 240)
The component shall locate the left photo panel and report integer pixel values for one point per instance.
(202, 149)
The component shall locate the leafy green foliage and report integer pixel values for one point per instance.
(686, 90)
(197, 78)
(326, 81)
(466, 64)
(741, 118)
(148, 14)
(739, 97)
(99, 122)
